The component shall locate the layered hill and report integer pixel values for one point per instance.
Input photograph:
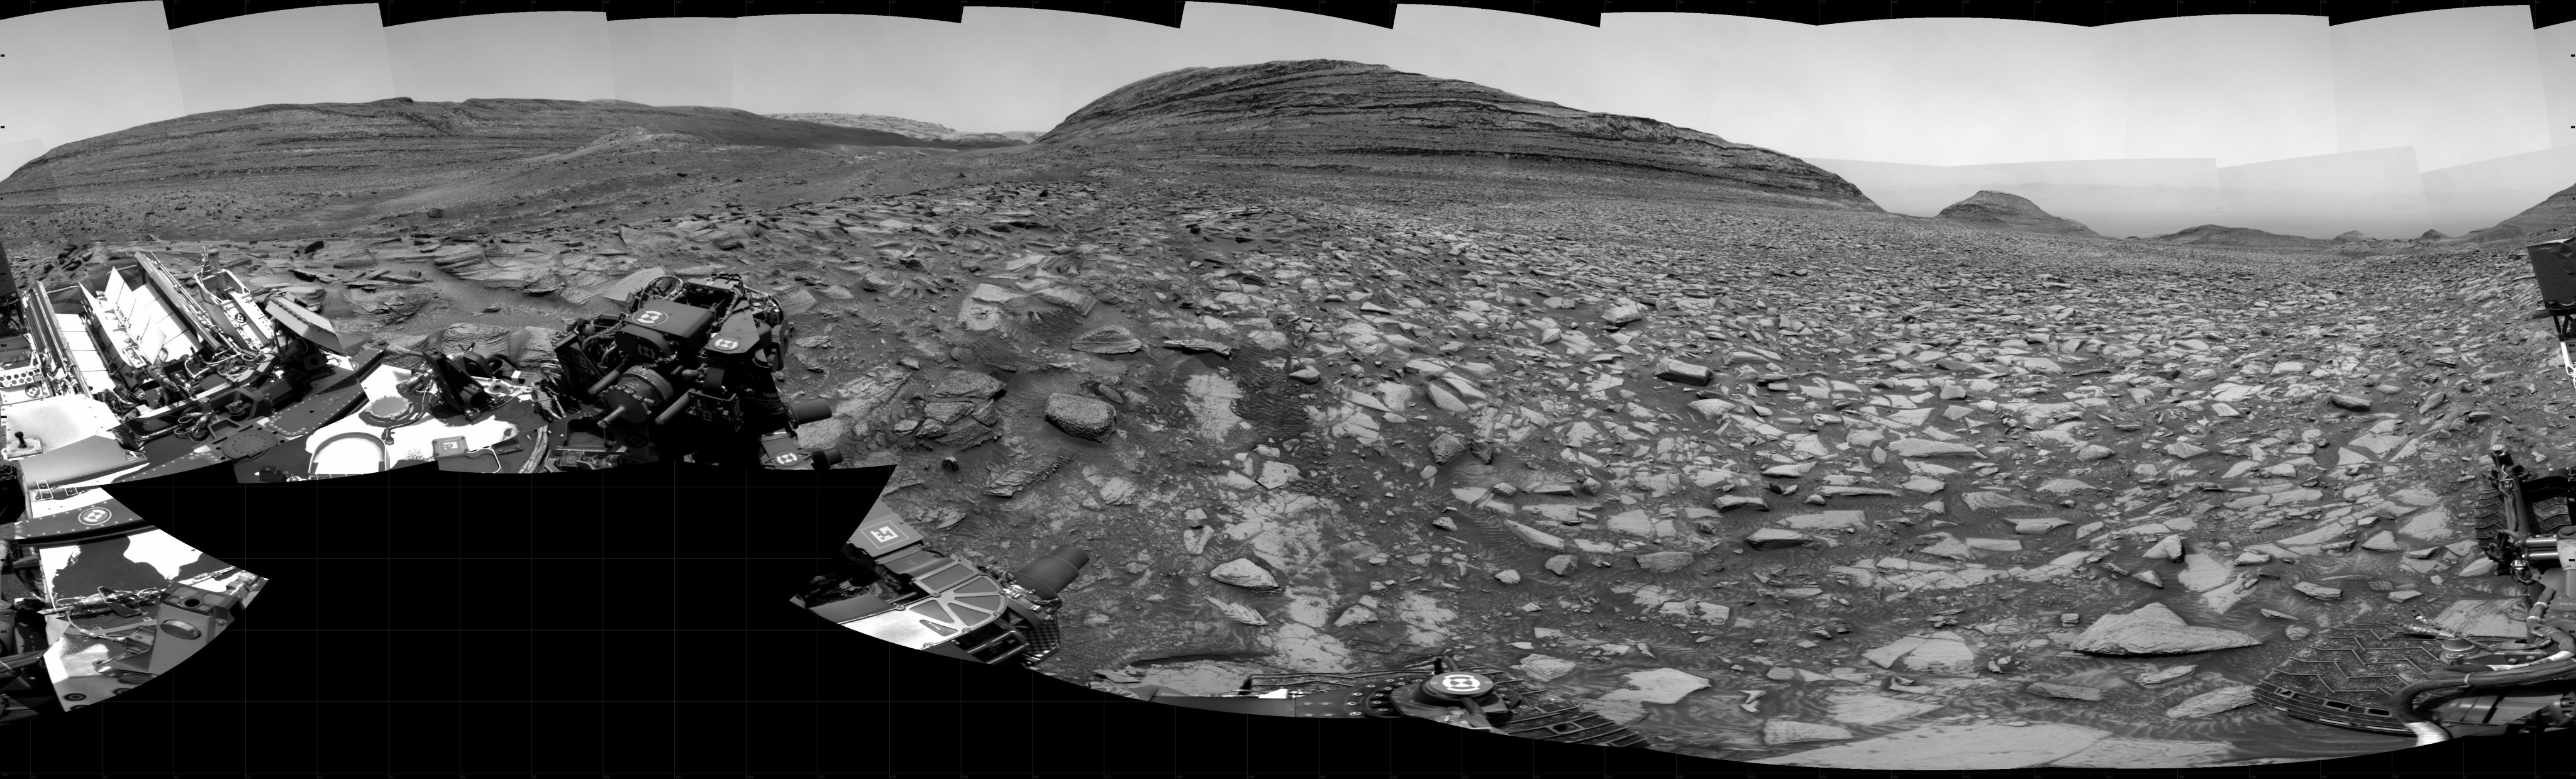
(399, 134)
(2010, 211)
(1306, 108)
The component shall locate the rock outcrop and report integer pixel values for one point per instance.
(2010, 211)
(1331, 107)
(2154, 629)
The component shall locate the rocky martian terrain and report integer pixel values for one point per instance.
(1685, 428)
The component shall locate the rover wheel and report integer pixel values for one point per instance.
(2347, 673)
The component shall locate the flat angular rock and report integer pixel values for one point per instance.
(1355, 615)
(1918, 447)
(2353, 403)
(2166, 674)
(1623, 313)
(2213, 702)
(1658, 685)
(1560, 564)
(2383, 541)
(1995, 500)
(1712, 407)
(1685, 373)
(1664, 562)
(2091, 452)
(2183, 451)
(2169, 548)
(1446, 446)
(2063, 486)
(1507, 576)
(1243, 572)
(1777, 538)
(1781, 732)
(1543, 669)
(1240, 613)
(1790, 471)
(2317, 591)
(2154, 630)
(1729, 502)
(1535, 536)
(1827, 520)
(1198, 346)
(1082, 417)
(1939, 653)
(2038, 525)
(2067, 691)
(967, 385)
(1079, 301)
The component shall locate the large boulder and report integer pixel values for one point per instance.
(2213, 702)
(1658, 685)
(1243, 572)
(1081, 417)
(966, 385)
(2154, 629)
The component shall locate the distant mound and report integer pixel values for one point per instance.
(2217, 235)
(2554, 213)
(397, 135)
(2013, 212)
(1309, 108)
(914, 128)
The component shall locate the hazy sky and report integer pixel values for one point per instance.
(1965, 91)
(686, 61)
(1000, 69)
(81, 72)
(2457, 85)
(330, 54)
(562, 55)
(2553, 44)
(911, 68)
(2238, 89)
(2366, 109)
(1575, 65)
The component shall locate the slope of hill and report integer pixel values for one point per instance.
(1328, 107)
(2012, 211)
